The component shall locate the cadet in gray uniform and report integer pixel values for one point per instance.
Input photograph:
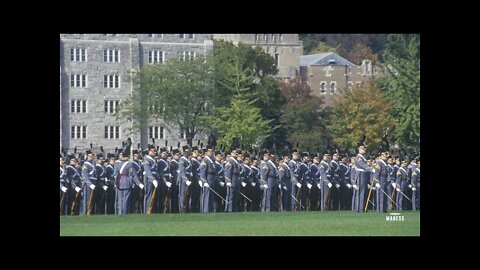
(362, 177)
(89, 176)
(184, 181)
(100, 191)
(270, 172)
(381, 183)
(401, 185)
(220, 187)
(151, 179)
(415, 186)
(325, 183)
(285, 180)
(110, 186)
(207, 181)
(127, 179)
(295, 190)
(232, 173)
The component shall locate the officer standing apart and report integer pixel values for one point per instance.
(362, 175)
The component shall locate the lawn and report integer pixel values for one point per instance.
(336, 223)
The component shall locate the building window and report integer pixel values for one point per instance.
(190, 36)
(151, 35)
(111, 56)
(156, 57)
(366, 68)
(323, 87)
(78, 55)
(265, 38)
(274, 38)
(111, 106)
(280, 37)
(112, 132)
(333, 87)
(276, 59)
(188, 55)
(111, 81)
(256, 38)
(182, 35)
(78, 106)
(156, 133)
(328, 71)
(78, 80)
(350, 85)
(79, 132)
(183, 134)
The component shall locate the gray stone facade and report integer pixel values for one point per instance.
(93, 78)
(286, 49)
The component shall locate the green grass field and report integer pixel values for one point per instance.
(337, 223)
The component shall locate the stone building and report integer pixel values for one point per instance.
(286, 49)
(328, 74)
(93, 82)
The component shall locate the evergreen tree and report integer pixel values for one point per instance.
(402, 86)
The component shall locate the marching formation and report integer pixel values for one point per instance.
(205, 180)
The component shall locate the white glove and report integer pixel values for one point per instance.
(64, 189)
(188, 182)
(377, 185)
(265, 186)
(169, 184)
(373, 170)
(337, 186)
(229, 184)
(285, 187)
(206, 185)
(77, 189)
(349, 186)
(222, 184)
(92, 186)
(368, 186)
(394, 185)
(299, 185)
(319, 186)
(253, 184)
(200, 183)
(141, 185)
(398, 190)
(155, 183)
(105, 187)
(413, 188)
(309, 185)
(355, 187)
(409, 186)
(244, 184)
(329, 184)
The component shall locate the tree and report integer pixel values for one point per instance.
(344, 43)
(362, 111)
(302, 115)
(258, 67)
(249, 71)
(177, 92)
(402, 86)
(360, 52)
(240, 121)
(322, 47)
